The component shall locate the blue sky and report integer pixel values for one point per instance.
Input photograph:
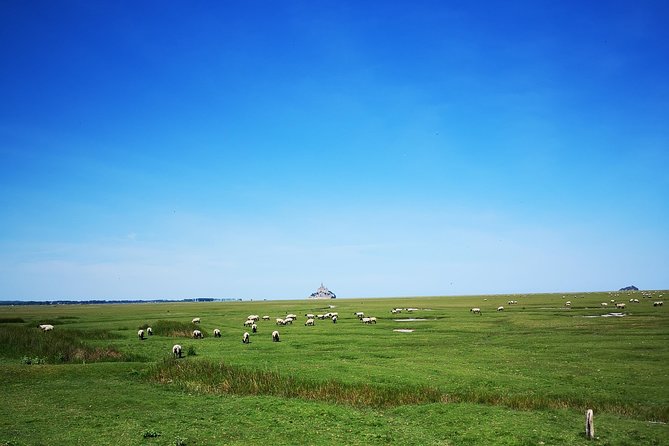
(256, 149)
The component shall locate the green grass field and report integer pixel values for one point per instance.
(522, 376)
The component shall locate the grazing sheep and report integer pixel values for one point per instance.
(246, 338)
(500, 308)
(280, 321)
(149, 331)
(360, 314)
(309, 322)
(395, 311)
(275, 336)
(196, 320)
(46, 327)
(265, 318)
(253, 317)
(176, 350)
(254, 328)
(372, 320)
(249, 322)
(334, 319)
(366, 320)
(567, 304)
(475, 310)
(197, 334)
(217, 333)
(604, 304)
(310, 316)
(288, 320)
(620, 305)
(291, 316)
(659, 303)
(140, 334)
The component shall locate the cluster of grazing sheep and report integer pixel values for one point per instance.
(635, 301)
(46, 327)
(658, 303)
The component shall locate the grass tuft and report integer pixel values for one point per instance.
(172, 328)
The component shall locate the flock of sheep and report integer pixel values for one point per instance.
(252, 320)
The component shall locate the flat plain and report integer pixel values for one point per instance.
(437, 375)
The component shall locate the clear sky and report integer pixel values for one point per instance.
(254, 149)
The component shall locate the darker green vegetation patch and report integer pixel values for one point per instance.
(11, 320)
(58, 346)
(218, 378)
(172, 328)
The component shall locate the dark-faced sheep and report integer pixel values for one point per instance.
(475, 310)
(254, 328)
(197, 334)
(309, 322)
(275, 336)
(149, 331)
(196, 320)
(140, 334)
(217, 333)
(246, 338)
(176, 351)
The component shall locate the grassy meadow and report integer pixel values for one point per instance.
(522, 376)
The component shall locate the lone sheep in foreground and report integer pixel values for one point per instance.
(246, 338)
(196, 320)
(140, 334)
(176, 350)
(275, 336)
(46, 327)
(197, 334)
(217, 333)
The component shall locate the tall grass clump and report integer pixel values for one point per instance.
(208, 377)
(58, 346)
(172, 328)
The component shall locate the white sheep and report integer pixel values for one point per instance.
(291, 316)
(309, 322)
(280, 321)
(360, 314)
(567, 304)
(620, 305)
(176, 350)
(46, 327)
(254, 328)
(288, 320)
(372, 320)
(366, 320)
(310, 316)
(475, 310)
(275, 336)
(197, 334)
(149, 331)
(604, 304)
(246, 338)
(217, 333)
(658, 303)
(334, 319)
(248, 322)
(500, 308)
(254, 317)
(265, 318)
(140, 334)
(196, 320)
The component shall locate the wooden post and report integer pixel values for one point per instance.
(589, 424)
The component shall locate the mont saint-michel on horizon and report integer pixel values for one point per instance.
(322, 293)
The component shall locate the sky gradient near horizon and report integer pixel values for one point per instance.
(256, 149)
